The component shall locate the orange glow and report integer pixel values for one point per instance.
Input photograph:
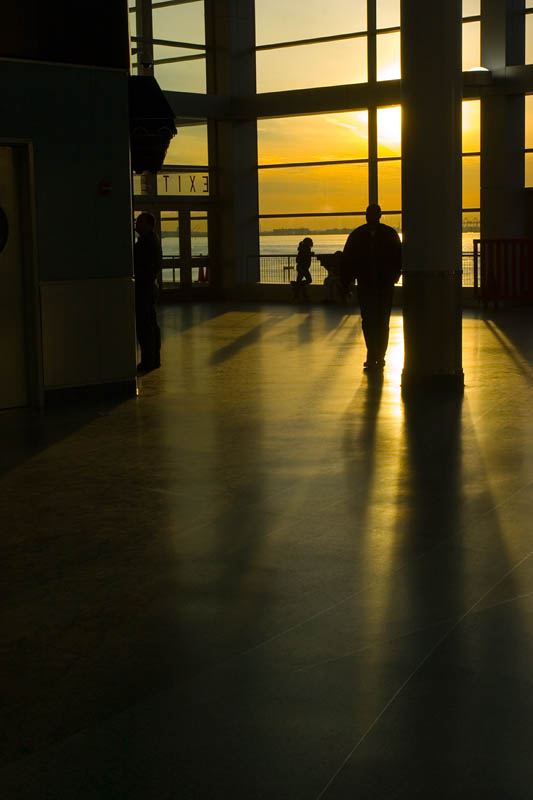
(471, 126)
(318, 137)
(389, 132)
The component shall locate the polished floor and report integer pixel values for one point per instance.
(268, 576)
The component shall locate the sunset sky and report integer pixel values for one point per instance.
(325, 137)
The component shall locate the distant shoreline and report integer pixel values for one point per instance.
(301, 232)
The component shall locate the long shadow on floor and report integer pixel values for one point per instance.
(245, 340)
(25, 432)
(513, 330)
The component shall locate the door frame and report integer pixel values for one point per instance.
(25, 170)
(184, 207)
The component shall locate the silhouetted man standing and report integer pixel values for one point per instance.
(147, 260)
(372, 255)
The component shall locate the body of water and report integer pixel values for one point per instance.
(288, 244)
(329, 243)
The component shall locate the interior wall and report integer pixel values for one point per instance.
(77, 121)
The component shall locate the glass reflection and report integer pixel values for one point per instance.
(387, 13)
(321, 189)
(317, 137)
(309, 66)
(471, 182)
(471, 126)
(279, 21)
(389, 132)
(388, 56)
(471, 45)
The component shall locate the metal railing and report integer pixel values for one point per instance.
(503, 270)
(281, 268)
(276, 269)
(172, 266)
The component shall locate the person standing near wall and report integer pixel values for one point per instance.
(373, 255)
(147, 261)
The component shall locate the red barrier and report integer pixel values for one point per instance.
(503, 270)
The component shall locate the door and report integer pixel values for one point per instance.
(14, 381)
(184, 238)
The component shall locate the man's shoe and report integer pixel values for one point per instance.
(374, 366)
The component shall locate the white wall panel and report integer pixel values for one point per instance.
(88, 332)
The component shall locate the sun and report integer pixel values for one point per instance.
(390, 131)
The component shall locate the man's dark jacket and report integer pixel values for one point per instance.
(147, 260)
(375, 260)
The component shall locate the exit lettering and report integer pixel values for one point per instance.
(183, 183)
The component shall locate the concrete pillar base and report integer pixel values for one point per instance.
(413, 385)
(432, 329)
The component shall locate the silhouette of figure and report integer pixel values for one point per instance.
(335, 291)
(303, 265)
(147, 261)
(373, 255)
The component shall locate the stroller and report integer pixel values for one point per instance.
(335, 290)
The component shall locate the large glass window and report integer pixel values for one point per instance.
(319, 137)
(282, 21)
(387, 14)
(182, 76)
(185, 170)
(471, 8)
(389, 165)
(183, 22)
(316, 177)
(471, 127)
(189, 146)
(175, 52)
(529, 141)
(325, 188)
(529, 32)
(390, 185)
(528, 169)
(305, 45)
(170, 234)
(471, 182)
(313, 180)
(390, 132)
(306, 66)
(471, 45)
(388, 56)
